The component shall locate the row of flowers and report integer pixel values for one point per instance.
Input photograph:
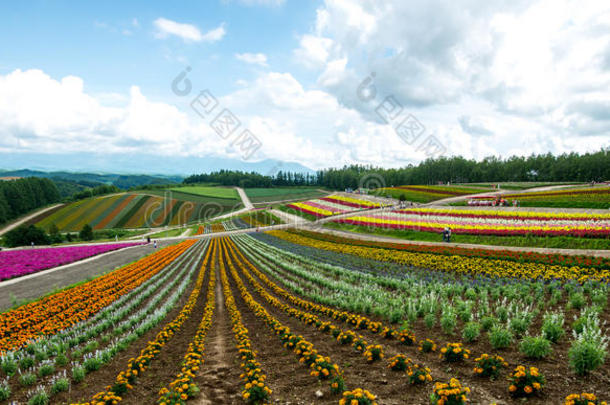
(321, 367)
(451, 250)
(332, 205)
(578, 192)
(136, 366)
(255, 390)
(507, 214)
(479, 226)
(15, 263)
(489, 267)
(68, 307)
(183, 387)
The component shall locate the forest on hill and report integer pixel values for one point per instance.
(571, 167)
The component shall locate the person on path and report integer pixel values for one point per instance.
(155, 244)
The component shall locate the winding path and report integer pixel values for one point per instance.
(27, 218)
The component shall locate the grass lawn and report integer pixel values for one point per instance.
(262, 217)
(564, 242)
(264, 195)
(169, 233)
(216, 192)
(426, 194)
(517, 185)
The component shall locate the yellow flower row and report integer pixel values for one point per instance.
(455, 264)
(125, 380)
(354, 200)
(305, 350)
(308, 207)
(255, 390)
(183, 387)
(511, 214)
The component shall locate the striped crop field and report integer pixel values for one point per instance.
(130, 210)
(330, 205)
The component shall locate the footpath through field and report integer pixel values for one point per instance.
(27, 218)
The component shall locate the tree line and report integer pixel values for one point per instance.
(571, 167)
(20, 196)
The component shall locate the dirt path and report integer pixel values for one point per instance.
(244, 198)
(219, 380)
(27, 218)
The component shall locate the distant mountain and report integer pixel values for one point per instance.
(169, 167)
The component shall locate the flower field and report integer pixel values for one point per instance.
(302, 317)
(488, 222)
(15, 263)
(426, 194)
(589, 197)
(332, 205)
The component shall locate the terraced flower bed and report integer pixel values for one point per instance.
(487, 222)
(332, 205)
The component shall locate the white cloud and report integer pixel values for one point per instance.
(252, 58)
(187, 32)
(534, 74)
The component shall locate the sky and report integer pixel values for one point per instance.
(318, 83)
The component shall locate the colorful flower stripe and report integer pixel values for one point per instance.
(304, 349)
(183, 387)
(255, 390)
(328, 207)
(66, 308)
(580, 191)
(308, 209)
(451, 250)
(534, 215)
(456, 264)
(15, 263)
(135, 367)
(478, 229)
(351, 202)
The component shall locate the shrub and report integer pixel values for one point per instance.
(525, 382)
(577, 300)
(488, 322)
(448, 322)
(552, 327)
(406, 338)
(9, 365)
(535, 347)
(452, 393)
(471, 331)
(60, 385)
(500, 338)
(430, 320)
(489, 366)
(5, 390)
(61, 360)
(427, 346)
(38, 397)
(357, 396)
(46, 368)
(588, 351)
(418, 374)
(78, 373)
(519, 325)
(26, 362)
(583, 399)
(400, 362)
(373, 353)
(454, 352)
(27, 379)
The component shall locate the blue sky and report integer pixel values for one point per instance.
(319, 83)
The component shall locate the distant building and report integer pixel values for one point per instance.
(9, 178)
